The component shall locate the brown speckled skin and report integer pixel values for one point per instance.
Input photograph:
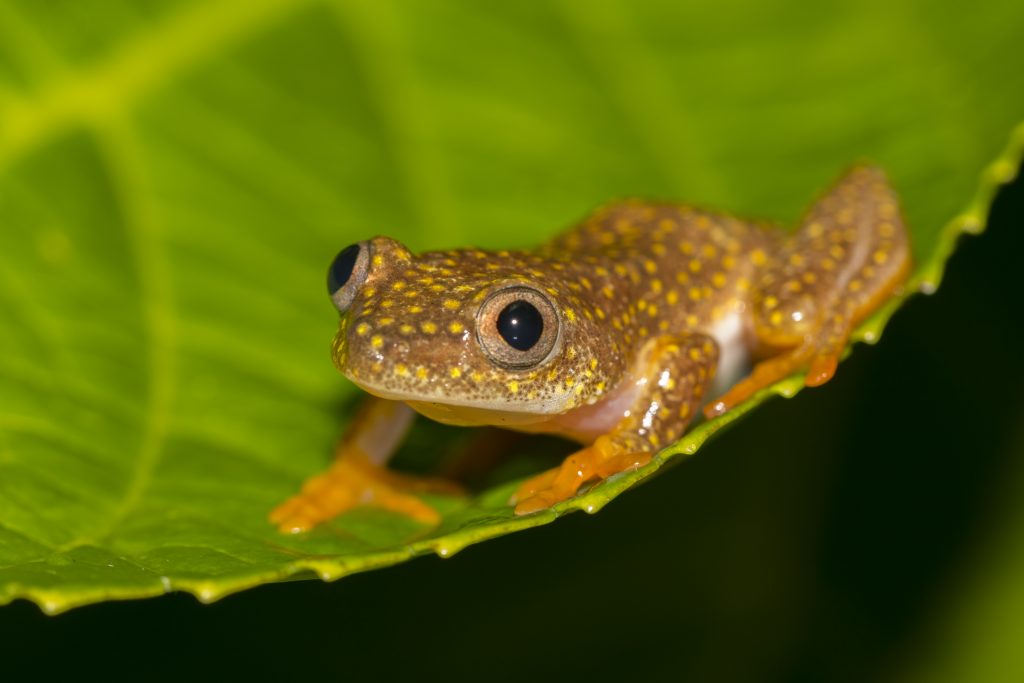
(630, 272)
(641, 291)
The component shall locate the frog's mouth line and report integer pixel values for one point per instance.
(450, 409)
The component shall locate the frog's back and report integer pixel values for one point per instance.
(663, 268)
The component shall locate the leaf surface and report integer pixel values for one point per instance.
(175, 176)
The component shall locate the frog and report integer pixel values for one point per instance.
(617, 334)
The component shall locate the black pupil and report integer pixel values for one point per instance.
(520, 324)
(341, 269)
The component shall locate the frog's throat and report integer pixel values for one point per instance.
(582, 423)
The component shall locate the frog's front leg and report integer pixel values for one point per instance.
(676, 373)
(849, 255)
(358, 475)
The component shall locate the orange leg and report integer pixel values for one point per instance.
(358, 476)
(848, 257)
(678, 369)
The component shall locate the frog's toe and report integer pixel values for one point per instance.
(352, 482)
(821, 370)
(594, 463)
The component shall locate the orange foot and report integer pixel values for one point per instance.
(822, 368)
(598, 461)
(354, 480)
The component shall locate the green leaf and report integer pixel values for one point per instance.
(175, 176)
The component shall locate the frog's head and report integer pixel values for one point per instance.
(468, 336)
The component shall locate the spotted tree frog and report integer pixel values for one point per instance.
(612, 334)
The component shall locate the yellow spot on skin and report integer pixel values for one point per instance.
(476, 376)
(728, 262)
(770, 302)
(642, 304)
(694, 266)
(402, 370)
(695, 354)
(571, 353)
(692, 320)
(406, 329)
(378, 260)
(415, 309)
(758, 258)
(429, 327)
(513, 387)
(880, 257)
(656, 286)
(369, 291)
(836, 252)
(653, 438)
(451, 304)
(599, 312)
(362, 329)
(686, 247)
(672, 297)
(376, 341)
(436, 288)
(384, 322)
(695, 293)
(810, 278)
(658, 249)
(398, 285)
(718, 280)
(796, 259)
(828, 264)
(421, 373)
(650, 266)
(593, 363)
(684, 410)
(886, 229)
(387, 303)
(775, 318)
(855, 285)
(570, 315)
(455, 373)
(455, 328)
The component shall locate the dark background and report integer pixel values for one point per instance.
(824, 538)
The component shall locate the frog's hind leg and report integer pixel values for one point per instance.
(849, 255)
(358, 475)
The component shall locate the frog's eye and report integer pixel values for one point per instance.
(517, 327)
(346, 274)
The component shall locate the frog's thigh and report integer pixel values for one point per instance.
(678, 371)
(848, 256)
(358, 476)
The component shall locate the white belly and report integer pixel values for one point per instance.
(734, 353)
